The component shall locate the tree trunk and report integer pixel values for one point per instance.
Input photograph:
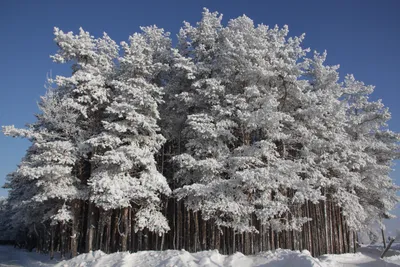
(139, 240)
(115, 231)
(217, 238)
(204, 234)
(178, 225)
(339, 226)
(327, 250)
(310, 236)
(129, 229)
(89, 228)
(62, 241)
(233, 241)
(108, 232)
(52, 243)
(74, 229)
(100, 231)
(188, 235)
(196, 232)
(124, 237)
(133, 248)
(383, 238)
(146, 239)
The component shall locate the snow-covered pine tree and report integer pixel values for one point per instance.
(237, 84)
(125, 173)
(373, 148)
(87, 93)
(44, 183)
(319, 128)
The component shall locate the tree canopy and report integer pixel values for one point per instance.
(237, 122)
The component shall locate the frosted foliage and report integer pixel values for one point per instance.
(50, 160)
(149, 217)
(373, 148)
(237, 121)
(44, 179)
(92, 64)
(267, 129)
(237, 99)
(63, 215)
(125, 171)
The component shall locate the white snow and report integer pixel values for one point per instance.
(366, 257)
(279, 258)
(14, 257)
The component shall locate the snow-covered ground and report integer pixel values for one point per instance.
(13, 257)
(366, 257)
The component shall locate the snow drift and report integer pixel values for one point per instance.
(367, 257)
(278, 258)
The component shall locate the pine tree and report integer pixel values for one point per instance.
(125, 172)
(374, 148)
(242, 82)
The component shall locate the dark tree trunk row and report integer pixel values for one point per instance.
(113, 231)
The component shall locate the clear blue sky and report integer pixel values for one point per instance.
(362, 36)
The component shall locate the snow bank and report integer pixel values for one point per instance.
(367, 257)
(393, 260)
(278, 258)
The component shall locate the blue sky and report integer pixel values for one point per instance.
(362, 36)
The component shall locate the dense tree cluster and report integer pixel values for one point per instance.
(233, 139)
